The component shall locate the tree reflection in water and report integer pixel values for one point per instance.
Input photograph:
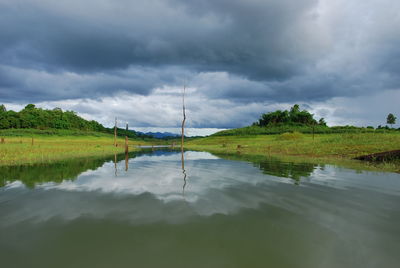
(276, 167)
(70, 169)
(30, 175)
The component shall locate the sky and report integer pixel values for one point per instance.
(239, 58)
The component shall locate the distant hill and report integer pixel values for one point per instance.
(162, 135)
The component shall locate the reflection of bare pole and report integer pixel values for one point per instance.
(184, 173)
(183, 137)
(126, 161)
(115, 164)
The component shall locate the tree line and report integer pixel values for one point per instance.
(32, 117)
(37, 118)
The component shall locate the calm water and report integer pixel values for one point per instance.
(145, 211)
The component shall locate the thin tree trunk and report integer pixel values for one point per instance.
(313, 131)
(126, 140)
(184, 119)
(115, 133)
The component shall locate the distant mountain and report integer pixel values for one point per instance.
(161, 135)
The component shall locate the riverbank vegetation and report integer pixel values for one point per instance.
(328, 148)
(294, 134)
(24, 150)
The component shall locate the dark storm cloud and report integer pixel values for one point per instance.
(243, 51)
(27, 85)
(259, 40)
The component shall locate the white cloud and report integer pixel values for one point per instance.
(162, 111)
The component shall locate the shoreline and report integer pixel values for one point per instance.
(335, 149)
(18, 151)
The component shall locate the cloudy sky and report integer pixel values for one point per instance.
(240, 58)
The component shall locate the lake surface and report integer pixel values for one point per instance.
(144, 210)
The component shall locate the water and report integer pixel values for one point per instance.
(145, 211)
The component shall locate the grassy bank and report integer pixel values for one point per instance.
(339, 148)
(324, 148)
(18, 148)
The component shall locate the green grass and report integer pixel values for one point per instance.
(290, 136)
(337, 148)
(328, 148)
(18, 150)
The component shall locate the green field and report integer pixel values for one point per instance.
(18, 149)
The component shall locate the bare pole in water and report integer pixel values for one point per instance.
(313, 130)
(184, 118)
(126, 148)
(126, 140)
(115, 133)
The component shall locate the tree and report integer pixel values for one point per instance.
(294, 116)
(391, 119)
(322, 122)
(4, 124)
(3, 108)
(295, 109)
(30, 107)
(304, 117)
(274, 118)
